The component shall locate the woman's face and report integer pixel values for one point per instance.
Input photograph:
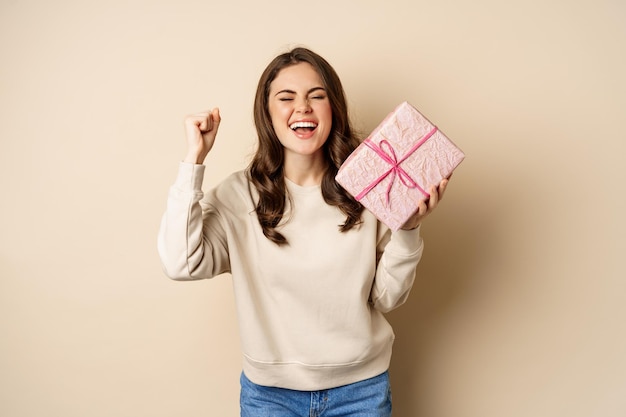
(300, 110)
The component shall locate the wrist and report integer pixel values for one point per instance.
(411, 227)
(196, 158)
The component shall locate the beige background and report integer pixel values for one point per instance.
(520, 305)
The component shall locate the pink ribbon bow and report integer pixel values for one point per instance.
(388, 154)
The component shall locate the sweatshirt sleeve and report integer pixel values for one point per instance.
(401, 252)
(191, 241)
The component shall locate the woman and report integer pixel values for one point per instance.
(313, 272)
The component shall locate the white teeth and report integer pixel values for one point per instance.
(296, 125)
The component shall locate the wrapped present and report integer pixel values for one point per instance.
(391, 172)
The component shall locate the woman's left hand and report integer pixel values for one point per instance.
(426, 207)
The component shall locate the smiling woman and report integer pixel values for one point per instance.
(313, 333)
(302, 119)
(300, 77)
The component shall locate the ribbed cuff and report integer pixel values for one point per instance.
(190, 177)
(410, 240)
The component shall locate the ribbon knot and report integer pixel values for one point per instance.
(386, 151)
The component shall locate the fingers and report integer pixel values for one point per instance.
(205, 122)
(422, 208)
(442, 188)
(433, 200)
(215, 118)
(425, 207)
(436, 193)
(201, 129)
(215, 115)
(210, 121)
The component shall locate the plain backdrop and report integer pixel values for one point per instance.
(520, 302)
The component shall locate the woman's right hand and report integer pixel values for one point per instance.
(201, 129)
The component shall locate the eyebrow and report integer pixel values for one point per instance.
(293, 92)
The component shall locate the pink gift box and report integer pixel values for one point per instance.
(395, 166)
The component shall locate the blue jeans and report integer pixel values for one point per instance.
(369, 398)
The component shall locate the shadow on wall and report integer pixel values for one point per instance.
(461, 238)
(455, 245)
(459, 241)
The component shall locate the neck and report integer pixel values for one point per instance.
(305, 170)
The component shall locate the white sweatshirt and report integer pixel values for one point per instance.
(310, 313)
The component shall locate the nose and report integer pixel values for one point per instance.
(303, 105)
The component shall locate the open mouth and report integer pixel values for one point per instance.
(303, 127)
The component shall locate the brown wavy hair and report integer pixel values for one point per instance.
(266, 170)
